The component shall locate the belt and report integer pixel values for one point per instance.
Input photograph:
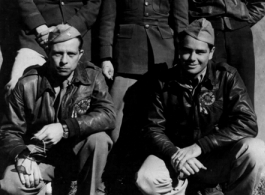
(145, 21)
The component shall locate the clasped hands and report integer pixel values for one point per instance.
(27, 168)
(185, 161)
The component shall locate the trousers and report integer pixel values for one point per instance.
(84, 162)
(236, 168)
(236, 48)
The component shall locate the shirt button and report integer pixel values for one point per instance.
(146, 3)
(62, 3)
(146, 26)
(146, 14)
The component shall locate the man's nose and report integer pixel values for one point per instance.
(192, 56)
(64, 59)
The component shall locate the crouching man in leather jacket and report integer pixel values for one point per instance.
(56, 123)
(201, 126)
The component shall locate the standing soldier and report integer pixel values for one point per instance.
(143, 40)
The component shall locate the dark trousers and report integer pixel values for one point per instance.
(84, 162)
(236, 48)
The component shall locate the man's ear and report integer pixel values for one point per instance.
(81, 52)
(211, 53)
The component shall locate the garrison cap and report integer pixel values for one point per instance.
(201, 30)
(62, 33)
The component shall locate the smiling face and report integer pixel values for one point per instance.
(194, 55)
(64, 57)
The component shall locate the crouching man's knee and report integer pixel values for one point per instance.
(100, 142)
(154, 178)
(251, 151)
(11, 184)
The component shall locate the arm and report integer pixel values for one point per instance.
(12, 146)
(86, 16)
(240, 119)
(100, 116)
(154, 131)
(256, 10)
(180, 12)
(82, 20)
(13, 126)
(30, 14)
(107, 19)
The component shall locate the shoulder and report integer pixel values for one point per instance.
(88, 72)
(224, 67)
(31, 74)
(90, 67)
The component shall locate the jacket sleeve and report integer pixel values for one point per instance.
(82, 20)
(154, 131)
(100, 116)
(256, 10)
(86, 16)
(30, 14)
(180, 10)
(13, 126)
(239, 114)
(107, 18)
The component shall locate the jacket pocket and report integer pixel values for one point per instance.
(126, 31)
(166, 32)
(161, 6)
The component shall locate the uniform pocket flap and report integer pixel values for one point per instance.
(166, 32)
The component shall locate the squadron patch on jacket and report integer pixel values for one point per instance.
(206, 99)
(81, 107)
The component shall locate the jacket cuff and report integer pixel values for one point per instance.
(16, 151)
(34, 21)
(73, 127)
(171, 151)
(105, 52)
(205, 144)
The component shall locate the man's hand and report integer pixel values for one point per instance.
(191, 167)
(184, 154)
(51, 134)
(42, 34)
(29, 172)
(107, 69)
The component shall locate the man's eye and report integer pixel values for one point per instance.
(200, 52)
(71, 55)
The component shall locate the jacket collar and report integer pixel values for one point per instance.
(210, 78)
(45, 84)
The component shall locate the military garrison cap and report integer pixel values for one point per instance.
(202, 30)
(62, 33)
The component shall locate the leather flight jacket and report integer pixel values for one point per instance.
(217, 113)
(86, 107)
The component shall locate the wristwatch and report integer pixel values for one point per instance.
(65, 131)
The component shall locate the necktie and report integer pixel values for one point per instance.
(58, 101)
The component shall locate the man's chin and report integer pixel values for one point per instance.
(63, 73)
(192, 71)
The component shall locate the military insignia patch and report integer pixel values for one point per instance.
(206, 99)
(81, 107)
